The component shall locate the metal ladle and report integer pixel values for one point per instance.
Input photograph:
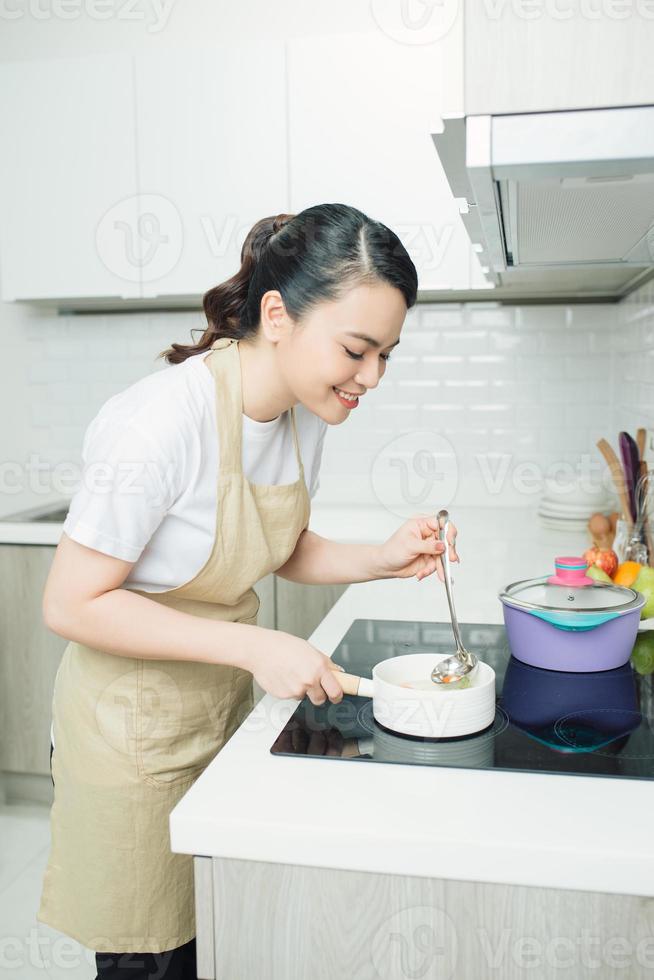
(452, 670)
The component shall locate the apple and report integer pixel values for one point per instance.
(593, 571)
(645, 583)
(603, 558)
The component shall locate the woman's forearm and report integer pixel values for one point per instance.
(319, 561)
(129, 625)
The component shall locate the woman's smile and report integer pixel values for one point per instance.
(346, 398)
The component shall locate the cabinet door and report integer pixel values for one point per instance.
(362, 109)
(300, 608)
(211, 133)
(29, 658)
(68, 201)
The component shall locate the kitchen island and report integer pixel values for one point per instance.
(329, 869)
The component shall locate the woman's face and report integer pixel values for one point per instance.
(324, 362)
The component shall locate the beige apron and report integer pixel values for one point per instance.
(132, 735)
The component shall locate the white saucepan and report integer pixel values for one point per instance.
(406, 700)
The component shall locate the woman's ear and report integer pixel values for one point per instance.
(275, 322)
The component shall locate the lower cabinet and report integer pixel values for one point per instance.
(287, 922)
(29, 658)
(300, 608)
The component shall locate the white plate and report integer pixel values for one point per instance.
(557, 525)
(580, 510)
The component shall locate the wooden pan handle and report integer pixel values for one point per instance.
(641, 438)
(351, 684)
(618, 479)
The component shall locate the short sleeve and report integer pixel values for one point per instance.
(317, 459)
(127, 486)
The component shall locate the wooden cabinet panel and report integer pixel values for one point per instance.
(29, 658)
(300, 608)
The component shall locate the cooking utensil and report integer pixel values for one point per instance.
(631, 465)
(639, 546)
(563, 623)
(452, 670)
(427, 710)
(618, 479)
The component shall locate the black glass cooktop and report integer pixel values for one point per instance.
(591, 724)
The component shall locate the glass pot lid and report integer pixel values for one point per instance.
(570, 590)
(538, 593)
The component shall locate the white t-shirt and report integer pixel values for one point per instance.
(150, 466)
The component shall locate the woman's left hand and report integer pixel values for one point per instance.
(415, 549)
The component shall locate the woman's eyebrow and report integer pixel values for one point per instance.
(369, 340)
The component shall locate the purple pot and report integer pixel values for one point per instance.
(571, 628)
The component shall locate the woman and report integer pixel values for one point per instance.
(204, 494)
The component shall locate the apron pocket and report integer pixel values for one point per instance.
(185, 714)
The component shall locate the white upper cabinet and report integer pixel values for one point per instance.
(212, 159)
(68, 179)
(361, 112)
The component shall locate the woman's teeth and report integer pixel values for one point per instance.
(346, 396)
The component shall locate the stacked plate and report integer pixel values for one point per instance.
(567, 506)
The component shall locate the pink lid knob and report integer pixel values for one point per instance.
(571, 571)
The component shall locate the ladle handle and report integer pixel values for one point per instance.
(445, 517)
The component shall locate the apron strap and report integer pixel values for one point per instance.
(296, 443)
(225, 367)
(229, 406)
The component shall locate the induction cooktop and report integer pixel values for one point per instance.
(546, 721)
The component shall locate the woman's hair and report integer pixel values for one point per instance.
(315, 256)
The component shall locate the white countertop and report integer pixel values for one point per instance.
(565, 831)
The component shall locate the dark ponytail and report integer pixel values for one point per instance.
(311, 257)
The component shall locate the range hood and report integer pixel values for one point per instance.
(556, 203)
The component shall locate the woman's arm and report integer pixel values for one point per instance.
(319, 561)
(83, 601)
(414, 549)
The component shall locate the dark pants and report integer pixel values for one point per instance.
(173, 964)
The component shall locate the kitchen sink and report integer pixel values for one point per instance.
(50, 514)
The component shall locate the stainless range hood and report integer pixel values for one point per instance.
(556, 203)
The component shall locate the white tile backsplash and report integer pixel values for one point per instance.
(484, 387)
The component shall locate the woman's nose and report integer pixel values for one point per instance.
(369, 374)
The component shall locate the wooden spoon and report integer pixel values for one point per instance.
(618, 480)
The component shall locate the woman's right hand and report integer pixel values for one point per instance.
(289, 667)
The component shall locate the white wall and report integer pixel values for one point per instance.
(492, 386)
(634, 363)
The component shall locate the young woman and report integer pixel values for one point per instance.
(202, 492)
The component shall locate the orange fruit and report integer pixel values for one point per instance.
(627, 573)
